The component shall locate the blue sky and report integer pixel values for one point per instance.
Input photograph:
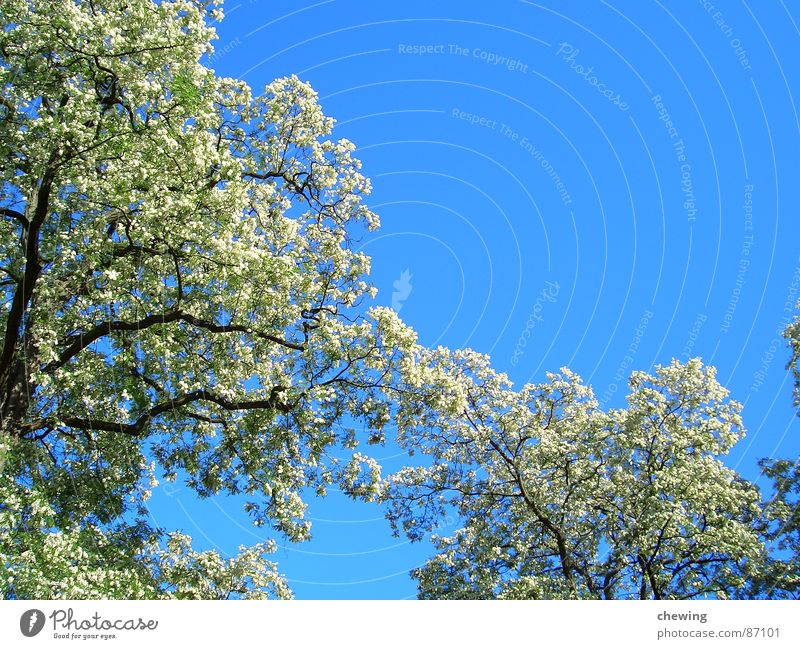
(598, 185)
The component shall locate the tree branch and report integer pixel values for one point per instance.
(138, 426)
(22, 296)
(78, 342)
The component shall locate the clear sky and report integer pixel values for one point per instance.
(598, 185)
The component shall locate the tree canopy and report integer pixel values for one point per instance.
(176, 270)
(792, 335)
(182, 299)
(564, 500)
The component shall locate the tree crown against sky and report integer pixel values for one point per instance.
(792, 335)
(562, 499)
(182, 297)
(179, 284)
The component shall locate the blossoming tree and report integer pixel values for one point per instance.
(780, 525)
(178, 289)
(560, 499)
(181, 298)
